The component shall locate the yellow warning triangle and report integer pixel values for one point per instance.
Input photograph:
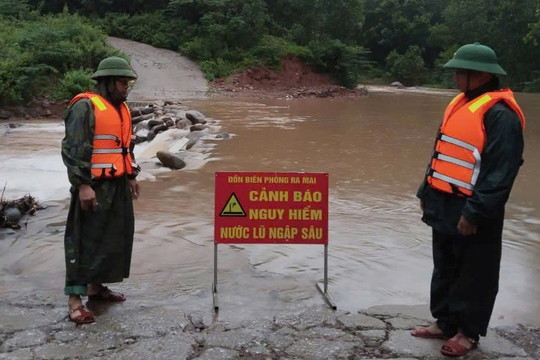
(233, 207)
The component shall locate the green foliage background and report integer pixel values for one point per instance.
(51, 46)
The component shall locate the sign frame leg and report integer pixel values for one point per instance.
(214, 284)
(324, 288)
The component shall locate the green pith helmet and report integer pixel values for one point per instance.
(114, 66)
(476, 57)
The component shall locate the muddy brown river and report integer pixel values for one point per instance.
(374, 149)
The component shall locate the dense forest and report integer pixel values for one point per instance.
(50, 47)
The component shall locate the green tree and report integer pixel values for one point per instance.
(499, 24)
(303, 21)
(98, 7)
(37, 54)
(14, 8)
(407, 68)
(394, 25)
(225, 25)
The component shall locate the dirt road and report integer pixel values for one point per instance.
(163, 74)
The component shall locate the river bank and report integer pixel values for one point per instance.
(140, 329)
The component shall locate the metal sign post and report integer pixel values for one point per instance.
(214, 284)
(324, 289)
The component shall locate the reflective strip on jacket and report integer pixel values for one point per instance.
(457, 157)
(111, 155)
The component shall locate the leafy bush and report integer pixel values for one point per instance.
(152, 28)
(197, 49)
(217, 68)
(14, 8)
(534, 85)
(271, 50)
(407, 68)
(37, 54)
(74, 82)
(345, 63)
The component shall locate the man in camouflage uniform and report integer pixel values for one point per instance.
(100, 225)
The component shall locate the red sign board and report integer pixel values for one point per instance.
(271, 207)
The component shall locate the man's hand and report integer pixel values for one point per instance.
(465, 227)
(135, 189)
(87, 196)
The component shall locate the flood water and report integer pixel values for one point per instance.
(374, 149)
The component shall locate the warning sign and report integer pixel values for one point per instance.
(233, 207)
(269, 207)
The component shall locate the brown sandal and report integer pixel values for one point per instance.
(106, 294)
(84, 317)
(453, 347)
(424, 333)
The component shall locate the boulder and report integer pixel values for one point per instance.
(195, 117)
(159, 128)
(195, 135)
(155, 122)
(4, 114)
(143, 125)
(197, 127)
(141, 111)
(138, 119)
(170, 160)
(150, 136)
(12, 216)
(398, 85)
(223, 136)
(183, 124)
(190, 143)
(168, 121)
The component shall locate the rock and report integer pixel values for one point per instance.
(140, 139)
(141, 133)
(143, 125)
(155, 122)
(180, 114)
(197, 321)
(183, 124)
(168, 121)
(12, 216)
(195, 117)
(398, 85)
(197, 127)
(190, 144)
(159, 128)
(363, 90)
(223, 136)
(138, 119)
(141, 111)
(195, 135)
(4, 114)
(150, 136)
(159, 103)
(170, 160)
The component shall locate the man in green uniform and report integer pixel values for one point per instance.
(477, 155)
(98, 155)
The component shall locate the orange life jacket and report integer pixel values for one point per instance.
(456, 159)
(111, 155)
